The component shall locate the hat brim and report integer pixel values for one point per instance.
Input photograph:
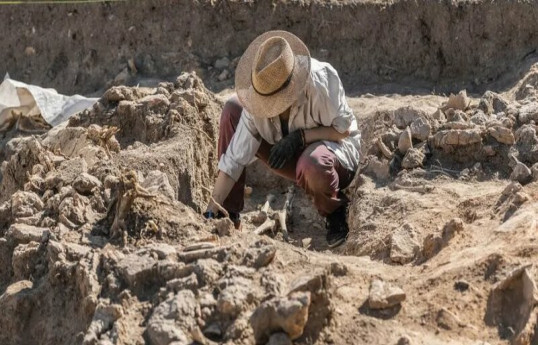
(270, 106)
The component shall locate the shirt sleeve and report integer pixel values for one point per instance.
(337, 112)
(242, 149)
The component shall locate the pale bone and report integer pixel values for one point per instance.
(383, 148)
(286, 212)
(202, 254)
(128, 191)
(269, 224)
(198, 246)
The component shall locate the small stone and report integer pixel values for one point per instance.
(384, 295)
(314, 283)
(157, 182)
(414, 158)
(260, 254)
(187, 283)
(223, 62)
(279, 339)
(461, 285)
(29, 51)
(403, 117)
(521, 173)
(223, 75)
(213, 331)
(403, 245)
(528, 112)
(306, 242)
(378, 169)
(85, 183)
(224, 226)
(288, 314)
(25, 204)
(459, 101)
(404, 341)
(420, 129)
(137, 270)
(22, 233)
(448, 320)
(502, 134)
(405, 141)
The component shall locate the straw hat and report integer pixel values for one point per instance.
(272, 73)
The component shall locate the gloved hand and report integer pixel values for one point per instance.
(286, 148)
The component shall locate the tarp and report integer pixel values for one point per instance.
(36, 103)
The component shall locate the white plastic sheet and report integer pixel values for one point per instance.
(34, 101)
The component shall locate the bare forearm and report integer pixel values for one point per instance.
(223, 186)
(323, 133)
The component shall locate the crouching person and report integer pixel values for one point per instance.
(290, 112)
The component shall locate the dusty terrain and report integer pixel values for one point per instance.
(101, 237)
(102, 241)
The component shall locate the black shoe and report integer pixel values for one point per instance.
(337, 229)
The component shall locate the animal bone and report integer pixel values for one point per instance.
(383, 148)
(269, 224)
(263, 214)
(286, 212)
(128, 191)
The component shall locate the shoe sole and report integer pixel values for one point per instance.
(337, 243)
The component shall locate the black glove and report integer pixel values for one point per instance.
(286, 148)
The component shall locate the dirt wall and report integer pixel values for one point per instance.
(446, 45)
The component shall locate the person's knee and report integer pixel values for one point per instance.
(231, 112)
(313, 169)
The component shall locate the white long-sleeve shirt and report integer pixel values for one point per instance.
(323, 103)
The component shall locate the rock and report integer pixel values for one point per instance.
(502, 134)
(25, 257)
(25, 204)
(223, 75)
(403, 117)
(521, 173)
(461, 285)
(279, 339)
(85, 183)
(288, 314)
(405, 142)
(403, 245)
(338, 269)
(456, 117)
(384, 295)
(492, 102)
(156, 182)
(404, 341)
(378, 169)
(172, 320)
(260, 254)
(162, 250)
(459, 101)
(511, 302)
(420, 129)
(528, 113)
(234, 296)
(479, 118)
(137, 270)
(187, 283)
(414, 158)
(224, 226)
(22, 233)
(439, 115)
(223, 62)
(457, 137)
(448, 320)
(314, 283)
(307, 241)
